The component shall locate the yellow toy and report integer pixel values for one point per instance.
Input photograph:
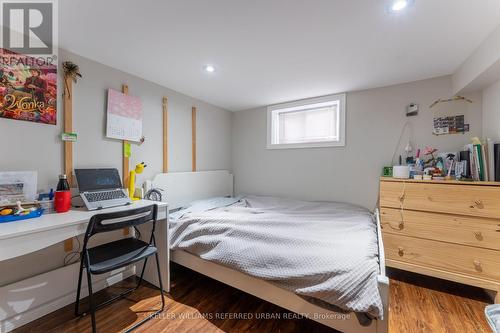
(6, 211)
(139, 168)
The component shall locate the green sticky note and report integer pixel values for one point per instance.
(126, 149)
(66, 136)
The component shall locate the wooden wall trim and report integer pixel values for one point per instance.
(68, 145)
(68, 127)
(193, 131)
(125, 165)
(165, 134)
(126, 162)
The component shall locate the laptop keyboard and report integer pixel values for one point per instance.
(105, 195)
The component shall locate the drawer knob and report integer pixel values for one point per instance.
(401, 226)
(478, 235)
(401, 251)
(478, 266)
(477, 204)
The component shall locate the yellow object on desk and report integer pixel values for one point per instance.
(6, 211)
(139, 168)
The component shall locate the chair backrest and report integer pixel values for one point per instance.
(118, 220)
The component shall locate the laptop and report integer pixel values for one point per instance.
(101, 188)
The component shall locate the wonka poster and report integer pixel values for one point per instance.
(28, 88)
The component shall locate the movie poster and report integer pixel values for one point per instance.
(28, 88)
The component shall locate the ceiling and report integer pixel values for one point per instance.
(271, 51)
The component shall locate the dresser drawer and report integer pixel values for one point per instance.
(472, 200)
(461, 259)
(459, 229)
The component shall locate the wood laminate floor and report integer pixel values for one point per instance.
(199, 304)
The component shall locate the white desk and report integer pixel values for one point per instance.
(27, 236)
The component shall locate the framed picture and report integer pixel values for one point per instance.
(28, 88)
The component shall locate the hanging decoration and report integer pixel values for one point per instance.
(454, 98)
(71, 72)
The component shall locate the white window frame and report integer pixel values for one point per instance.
(341, 98)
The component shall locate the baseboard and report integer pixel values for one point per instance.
(30, 299)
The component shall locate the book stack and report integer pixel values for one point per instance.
(482, 161)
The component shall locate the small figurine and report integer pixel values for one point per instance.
(139, 168)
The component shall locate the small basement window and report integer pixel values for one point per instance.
(313, 122)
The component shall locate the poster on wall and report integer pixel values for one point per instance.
(28, 88)
(124, 117)
(450, 125)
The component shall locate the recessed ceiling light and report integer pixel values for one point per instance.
(398, 5)
(209, 68)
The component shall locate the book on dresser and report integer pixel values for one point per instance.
(445, 229)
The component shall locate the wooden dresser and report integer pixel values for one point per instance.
(445, 229)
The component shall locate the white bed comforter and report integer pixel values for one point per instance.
(321, 250)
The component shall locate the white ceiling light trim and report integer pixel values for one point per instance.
(399, 5)
(209, 68)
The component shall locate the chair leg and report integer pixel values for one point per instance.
(159, 281)
(91, 301)
(157, 312)
(77, 303)
(142, 273)
(125, 293)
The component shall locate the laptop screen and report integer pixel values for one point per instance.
(97, 179)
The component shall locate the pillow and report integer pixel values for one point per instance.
(204, 205)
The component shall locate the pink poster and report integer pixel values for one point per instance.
(124, 116)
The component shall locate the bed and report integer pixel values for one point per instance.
(252, 243)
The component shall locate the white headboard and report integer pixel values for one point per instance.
(180, 188)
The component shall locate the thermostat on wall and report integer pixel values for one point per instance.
(411, 109)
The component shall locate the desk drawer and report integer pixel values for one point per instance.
(476, 262)
(459, 229)
(472, 200)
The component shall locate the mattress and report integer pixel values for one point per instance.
(323, 251)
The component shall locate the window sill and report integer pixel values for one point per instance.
(327, 144)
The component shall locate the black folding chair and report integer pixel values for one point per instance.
(110, 256)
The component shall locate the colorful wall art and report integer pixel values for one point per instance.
(28, 88)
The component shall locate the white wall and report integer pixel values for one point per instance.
(374, 121)
(38, 147)
(491, 111)
(481, 68)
